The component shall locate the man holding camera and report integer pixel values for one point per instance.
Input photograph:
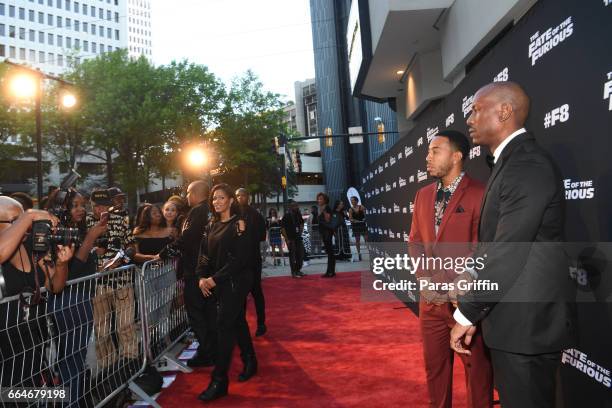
(23, 328)
(114, 292)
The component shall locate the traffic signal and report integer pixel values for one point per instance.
(381, 132)
(329, 141)
(284, 182)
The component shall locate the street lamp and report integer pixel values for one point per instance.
(68, 100)
(27, 84)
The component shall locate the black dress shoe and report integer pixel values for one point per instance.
(300, 273)
(296, 275)
(326, 275)
(216, 389)
(261, 330)
(250, 369)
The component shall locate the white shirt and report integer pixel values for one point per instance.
(503, 144)
(458, 316)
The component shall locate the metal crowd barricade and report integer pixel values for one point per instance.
(85, 340)
(164, 312)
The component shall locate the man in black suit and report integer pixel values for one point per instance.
(201, 311)
(530, 317)
(256, 228)
(292, 227)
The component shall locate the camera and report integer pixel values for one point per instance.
(63, 196)
(45, 238)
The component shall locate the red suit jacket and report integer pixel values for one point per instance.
(459, 225)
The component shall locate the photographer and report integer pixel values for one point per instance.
(72, 308)
(12, 236)
(114, 292)
(23, 327)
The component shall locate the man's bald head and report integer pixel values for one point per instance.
(9, 208)
(197, 192)
(242, 195)
(512, 94)
(498, 110)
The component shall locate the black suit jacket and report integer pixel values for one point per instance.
(256, 231)
(189, 241)
(521, 231)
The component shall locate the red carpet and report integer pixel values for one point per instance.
(325, 348)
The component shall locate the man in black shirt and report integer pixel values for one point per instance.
(201, 311)
(256, 229)
(292, 226)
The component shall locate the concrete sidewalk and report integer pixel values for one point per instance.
(316, 266)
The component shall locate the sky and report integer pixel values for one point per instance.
(273, 38)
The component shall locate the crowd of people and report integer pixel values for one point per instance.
(207, 231)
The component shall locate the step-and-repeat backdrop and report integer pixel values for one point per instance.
(561, 53)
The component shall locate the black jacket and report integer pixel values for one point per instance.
(293, 224)
(188, 242)
(255, 230)
(522, 232)
(328, 228)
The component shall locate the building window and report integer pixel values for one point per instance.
(58, 4)
(85, 27)
(68, 5)
(2, 50)
(50, 3)
(22, 54)
(108, 15)
(77, 25)
(21, 13)
(50, 58)
(31, 15)
(60, 60)
(12, 12)
(60, 41)
(85, 9)
(86, 46)
(93, 29)
(41, 56)
(32, 35)
(12, 52)
(116, 17)
(68, 23)
(101, 48)
(101, 13)
(101, 31)
(50, 39)
(2, 9)
(2, 30)
(59, 21)
(68, 42)
(12, 32)
(117, 35)
(109, 32)
(77, 43)
(50, 19)
(22, 33)
(41, 18)
(76, 6)
(94, 47)
(41, 37)
(32, 56)
(93, 11)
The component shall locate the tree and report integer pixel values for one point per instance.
(249, 122)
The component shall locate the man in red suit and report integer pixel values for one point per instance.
(445, 223)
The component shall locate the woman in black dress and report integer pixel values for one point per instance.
(151, 234)
(224, 273)
(358, 224)
(342, 236)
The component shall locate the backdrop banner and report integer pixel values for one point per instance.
(560, 52)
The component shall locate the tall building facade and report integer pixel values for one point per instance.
(47, 33)
(337, 108)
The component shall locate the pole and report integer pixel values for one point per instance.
(39, 172)
(285, 175)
